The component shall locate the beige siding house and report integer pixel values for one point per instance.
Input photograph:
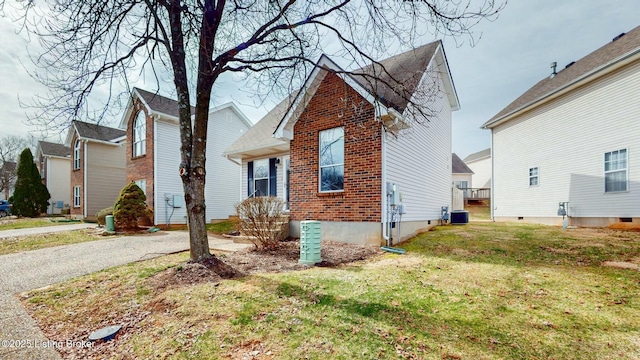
(54, 164)
(573, 138)
(98, 167)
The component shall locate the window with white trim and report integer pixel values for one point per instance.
(534, 179)
(331, 160)
(139, 134)
(142, 184)
(261, 177)
(76, 155)
(615, 171)
(76, 196)
(42, 165)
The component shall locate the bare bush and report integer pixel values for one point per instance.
(262, 219)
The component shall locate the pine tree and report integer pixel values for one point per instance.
(129, 207)
(31, 197)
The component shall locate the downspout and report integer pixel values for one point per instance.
(491, 198)
(84, 175)
(385, 200)
(155, 170)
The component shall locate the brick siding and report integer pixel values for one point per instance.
(336, 104)
(141, 167)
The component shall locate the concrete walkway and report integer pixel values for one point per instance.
(20, 338)
(4, 234)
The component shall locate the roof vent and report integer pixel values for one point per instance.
(569, 64)
(618, 37)
(554, 66)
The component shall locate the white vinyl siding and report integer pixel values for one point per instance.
(481, 177)
(223, 188)
(567, 138)
(419, 161)
(167, 180)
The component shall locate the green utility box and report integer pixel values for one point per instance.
(109, 223)
(310, 245)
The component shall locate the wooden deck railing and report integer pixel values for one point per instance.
(476, 193)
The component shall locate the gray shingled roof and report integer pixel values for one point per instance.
(9, 166)
(398, 75)
(160, 104)
(458, 166)
(53, 149)
(97, 132)
(600, 58)
(478, 155)
(259, 136)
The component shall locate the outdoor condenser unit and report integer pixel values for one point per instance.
(459, 217)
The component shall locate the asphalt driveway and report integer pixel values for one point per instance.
(20, 338)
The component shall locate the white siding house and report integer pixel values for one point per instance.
(480, 164)
(158, 166)
(573, 138)
(412, 151)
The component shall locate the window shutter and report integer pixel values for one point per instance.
(273, 176)
(250, 178)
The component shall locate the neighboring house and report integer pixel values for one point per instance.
(480, 164)
(153, 156)
(97, 167)
(54, 164)
(461, 173)
(7, 179)
(325, 150)
(571, 138)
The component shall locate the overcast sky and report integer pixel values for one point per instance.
(512, 54)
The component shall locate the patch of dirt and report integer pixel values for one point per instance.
(622, 265)
(252, 261)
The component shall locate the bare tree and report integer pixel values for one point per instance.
(91, 44)
(10, 148)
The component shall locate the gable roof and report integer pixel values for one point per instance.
(617, 52)
(258, 140)
(9, 166)
(388, 85)
(95, 132)
(483, 154)
(53, 149)
(458, 166)
(159, 104)
(394, 80)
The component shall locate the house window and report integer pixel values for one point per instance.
(142, 184)
(615, 171)
(76, 155)
(332, 160)
(261, 177)
(76, 196)
(42, 163)
(533, 176)
(139, 134)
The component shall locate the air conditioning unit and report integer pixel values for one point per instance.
(459, 217)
